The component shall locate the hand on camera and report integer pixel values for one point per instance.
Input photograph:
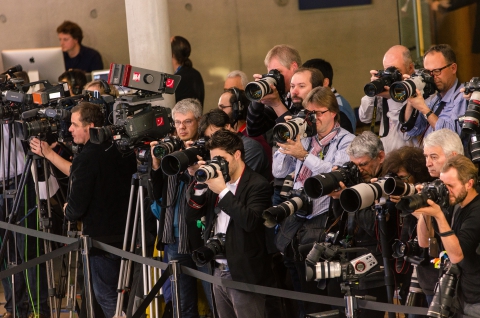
(41, 148)
(466, 96)
(335, 194)
(273, 99)
(432, 210)
(418, 102)
(293, 148)
(155, 161)
(193, 168)
(217, 184)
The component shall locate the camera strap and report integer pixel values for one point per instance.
(386, 122)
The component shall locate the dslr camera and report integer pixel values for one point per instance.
(303, 125)
(470, 121)
(179, 161)
(167, 146)
(325, 183)
(409, 251)
(298, 202)
(214, 247)
(256, 90)
(436, 191)
(385, 78)
(422, 80)
(209, 170)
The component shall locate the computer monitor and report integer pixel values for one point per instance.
(48, 62)
(100, 75)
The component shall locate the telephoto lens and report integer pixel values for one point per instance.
(209, 170)
(385, 78)
(179, 161)
(442, 304)
(471, 118)
(276, 214)
(255, 91)
(395, 186)
(362, 195)
(303, 125)
(166, 147)
(435, 191)
(475, 148)
(421, 80)
(214, 246)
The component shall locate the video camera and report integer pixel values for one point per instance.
(325, 183)
(44, 123)
(385, 78)
(436, 191)
(297, 202)
(303, 125)
(135, 119)
(422, 80)
(256, 90)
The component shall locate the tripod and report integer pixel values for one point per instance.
(382, 219)
(139, 183)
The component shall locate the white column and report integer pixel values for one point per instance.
(149, 37)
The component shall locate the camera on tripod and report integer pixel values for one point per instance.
(136, 120)
(256, 90)
(422, 80)
(385, 78)
(214, 248)
(44, 123)
(336, 263)
(325, 183)
(436, 191)
(297, 202)
(303, 125)
(179, 161)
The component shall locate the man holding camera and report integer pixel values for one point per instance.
(177, 236)
(102, 209)
(262, 115)
(307, 157)
(387, 109)
(461, 236)
(233, 208)
(444, 109)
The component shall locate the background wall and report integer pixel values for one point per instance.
(224, 34)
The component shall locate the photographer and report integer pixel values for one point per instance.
(461, 236)
(177, 236)
(388, 110)
(443, 109)
(262, 115)
(255, 156)
(234, 208)
(308, 157)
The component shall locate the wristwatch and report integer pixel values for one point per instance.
(305, 157)
(427, 114)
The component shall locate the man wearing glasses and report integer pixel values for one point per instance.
(443, 110)
(307, 157)
(387, 110)
(177, 236)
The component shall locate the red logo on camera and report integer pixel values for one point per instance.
(136, 77)
(169, 83)
(160, 121)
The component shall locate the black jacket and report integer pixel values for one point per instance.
(245, 247)
(99, 191)
(190, 86)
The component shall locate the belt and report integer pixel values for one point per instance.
(222, 267)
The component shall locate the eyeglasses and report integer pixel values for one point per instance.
(364, 164)
(319, 113)
(404, 178)
(438, 71)
(186, 122)
(222, 107)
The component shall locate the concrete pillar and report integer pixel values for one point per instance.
(148, 31)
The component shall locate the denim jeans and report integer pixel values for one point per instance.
(22, 249)
(104, 273)
(187, 285)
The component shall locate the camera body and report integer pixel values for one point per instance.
(410, 251)
(362, 195)
(256, 90)
(168, 145)
(325, 183)
(436, 191)
(303, 125)
(421, 80)
(336, 263)
(385, 78)
(44, 123)
(214, 247)
(209, 170)
(179, 161)
(297, 202)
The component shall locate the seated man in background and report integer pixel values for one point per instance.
(76, 55)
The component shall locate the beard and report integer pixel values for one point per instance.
(460, 197)
(298, 106)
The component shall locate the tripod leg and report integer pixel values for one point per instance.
(87, 277)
